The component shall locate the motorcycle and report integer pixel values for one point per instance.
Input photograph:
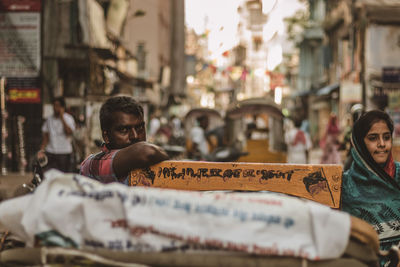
(37, 169)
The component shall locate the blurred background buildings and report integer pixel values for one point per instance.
(312, 58)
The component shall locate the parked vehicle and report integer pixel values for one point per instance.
(215, 120)
(255, 125)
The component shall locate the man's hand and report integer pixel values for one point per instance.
(41, 155)
(62, 111)
(137, 156)
(67, 129)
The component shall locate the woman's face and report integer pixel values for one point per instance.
(379, 142)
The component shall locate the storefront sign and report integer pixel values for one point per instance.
(350, 92)
(20, 38)
(24, 96)
(23, 90)
(20, 5)
(391, 75)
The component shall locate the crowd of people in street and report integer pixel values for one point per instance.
(61, 149)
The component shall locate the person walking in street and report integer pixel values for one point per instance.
(371, 187)
(56, 143)
(125, 147)
(154, 125)
(330, 143)
(199, 148)
(298, 144)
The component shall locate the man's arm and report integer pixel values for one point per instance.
(45, 141)
(137, 156)
(67, 128)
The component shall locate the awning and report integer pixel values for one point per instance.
(328, 89)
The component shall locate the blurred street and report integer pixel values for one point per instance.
(315, 156)
(264, 83)
(10, 182)
(188, 95)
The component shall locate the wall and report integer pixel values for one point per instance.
(152, 29)
(382, 47)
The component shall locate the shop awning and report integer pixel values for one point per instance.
(328, 89)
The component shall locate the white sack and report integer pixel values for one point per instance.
(72, 210)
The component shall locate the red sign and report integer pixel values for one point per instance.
(30, 95)
(277, 79)
(20, 5)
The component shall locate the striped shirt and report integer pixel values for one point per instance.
(99, 166)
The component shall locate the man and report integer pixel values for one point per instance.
(154, 125)
(57, 138)
(199, 148)
(125, 147)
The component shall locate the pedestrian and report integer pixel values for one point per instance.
(154, 125)
(176, 124)
(371, 187)
(356, 112)
(56, 143)
(298, 144)
(330, 143)
(199, 147)
(125, 147)
(346, 144)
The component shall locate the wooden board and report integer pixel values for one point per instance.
(321, 183)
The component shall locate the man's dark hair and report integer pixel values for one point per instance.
(60, 100)
(124, 104)
(297, 123)
(365, 122)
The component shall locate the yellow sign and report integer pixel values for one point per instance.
(321, 183)
(23, 95)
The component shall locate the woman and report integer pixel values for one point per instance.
(298, 144)
(330, 143)
(371, 187)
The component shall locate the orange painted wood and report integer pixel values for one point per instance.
(321, 183)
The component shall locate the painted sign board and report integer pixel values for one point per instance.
(21, 5)
(20, 44)
(24, 96)
(23, 90)
(320, 183)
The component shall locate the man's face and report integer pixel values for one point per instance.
(204, 123)
(126, 130)
(57, 108)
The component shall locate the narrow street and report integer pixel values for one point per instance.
(10, 182)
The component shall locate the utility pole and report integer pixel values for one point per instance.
(3, 126)
(178, 68)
